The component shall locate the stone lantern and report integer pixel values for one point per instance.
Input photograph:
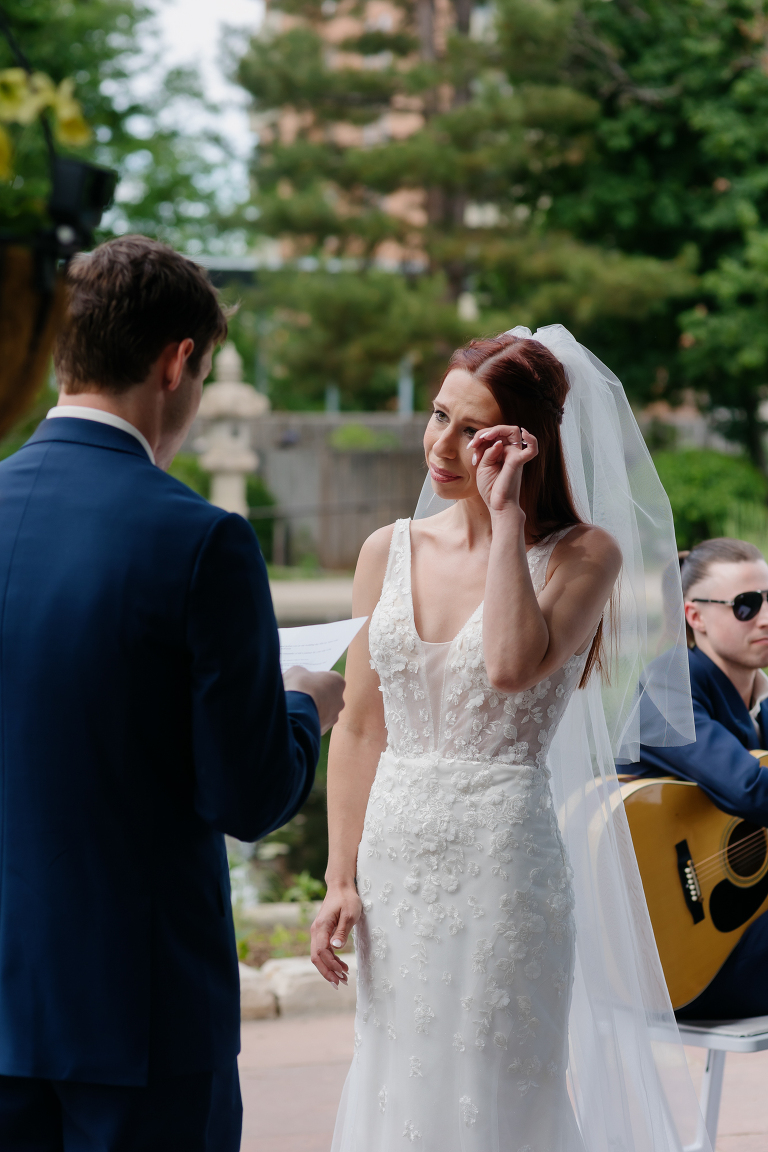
(228, 405)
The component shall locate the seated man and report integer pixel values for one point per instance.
(728, 647)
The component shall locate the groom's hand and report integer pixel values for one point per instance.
(325, 688)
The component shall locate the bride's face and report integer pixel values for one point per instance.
(462, 407)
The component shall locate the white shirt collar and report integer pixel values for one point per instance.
(759, 693)
(80, 412)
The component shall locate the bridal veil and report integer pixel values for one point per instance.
(628, 1076)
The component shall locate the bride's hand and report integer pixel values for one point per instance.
(500, 454)
(339, 912)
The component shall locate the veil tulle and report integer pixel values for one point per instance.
(628, 1075)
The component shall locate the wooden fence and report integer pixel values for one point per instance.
(358, 493)
(386, 485)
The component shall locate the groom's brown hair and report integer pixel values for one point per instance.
(127, 300)
(530, 386)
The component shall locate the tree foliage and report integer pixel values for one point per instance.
(166, 187)
(448, 145)
(706, 489)
(678, 164)
(600, 164)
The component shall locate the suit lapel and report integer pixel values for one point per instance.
(740, 721)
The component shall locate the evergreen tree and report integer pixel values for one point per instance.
(341, 175)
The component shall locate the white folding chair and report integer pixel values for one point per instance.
(720, 1037)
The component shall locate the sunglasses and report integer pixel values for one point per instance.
(745, 606)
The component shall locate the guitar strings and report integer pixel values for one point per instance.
(737, 848)
(737, 852)
(734, 855)
(705, 868)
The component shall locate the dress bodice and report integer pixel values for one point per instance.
(475, 722)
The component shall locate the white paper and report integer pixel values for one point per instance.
(317, 647)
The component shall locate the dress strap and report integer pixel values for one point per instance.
(540, 555)
(399, 560)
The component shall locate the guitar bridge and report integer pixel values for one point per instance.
(686, 870)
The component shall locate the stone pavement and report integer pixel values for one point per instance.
(292, 1072)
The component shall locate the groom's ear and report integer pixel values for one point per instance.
(171, 363)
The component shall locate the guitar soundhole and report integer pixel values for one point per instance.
(747, 849)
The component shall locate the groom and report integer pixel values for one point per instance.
(142, 715)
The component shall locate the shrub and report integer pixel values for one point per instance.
(361, 438)
(259, 496)
(704, 487)
(186, 467)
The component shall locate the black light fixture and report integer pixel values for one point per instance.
(80, 192)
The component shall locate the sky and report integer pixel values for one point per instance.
(191, 32)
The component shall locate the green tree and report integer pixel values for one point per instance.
(726, 344)
(166, 186)
(166, 175)
(464, 197)
(677, 168)
(707, 491)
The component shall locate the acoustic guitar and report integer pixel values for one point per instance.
(705, 876)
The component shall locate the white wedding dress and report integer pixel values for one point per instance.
(466, 945)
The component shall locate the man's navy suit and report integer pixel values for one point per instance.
(142, 716)
(720, 763)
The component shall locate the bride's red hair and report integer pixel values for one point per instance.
(529, 385)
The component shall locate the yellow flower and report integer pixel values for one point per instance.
(16, 98)
(6, 155)
(71, 127)
(23, 97)
(42, 95)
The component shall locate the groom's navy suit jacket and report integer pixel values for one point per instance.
(720, 763)
(142, 715)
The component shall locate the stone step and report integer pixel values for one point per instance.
(293, 987)
(311, 601)
(266, 916)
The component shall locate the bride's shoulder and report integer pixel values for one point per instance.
(375, 550)
(588, 542)
(372, 562)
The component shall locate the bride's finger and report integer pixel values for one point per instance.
(322, 962)
(483, 441)
(488, 452)
(531, 444)
(323, 932)
(507, 433)
(329, 965)
(513, 436)
(521, 440)
(497, 432)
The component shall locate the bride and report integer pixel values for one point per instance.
(446, 852)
